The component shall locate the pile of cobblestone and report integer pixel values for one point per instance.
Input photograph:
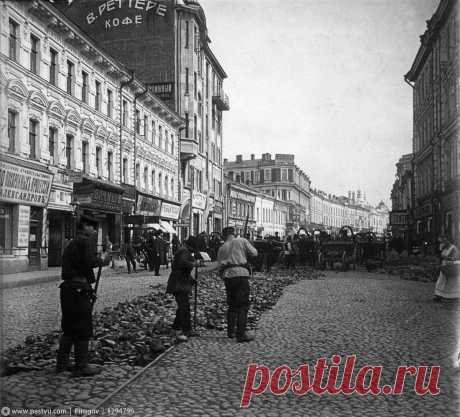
(135, 332)
(414, 268)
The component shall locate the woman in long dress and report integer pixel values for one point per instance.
(447, 286)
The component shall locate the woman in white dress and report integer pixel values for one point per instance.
(448, 284)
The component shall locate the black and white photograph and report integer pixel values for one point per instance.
(218, 208)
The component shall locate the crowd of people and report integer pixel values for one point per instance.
(234, 255)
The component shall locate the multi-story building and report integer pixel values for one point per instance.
(401, 201)
(240, 201)
(279, 178)
(166, 43)
(79, 135)
(332, 212)
(271, 216)
(434, 78)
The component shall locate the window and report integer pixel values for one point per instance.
(33, 131)
(172, 144)
(110, 166)
(109, 103)
(138, 173)
(13, 46)
(160, 136)
(68, 151)
(152, 181)
(153, 131)
(53, 67)
(84, 156)
(166, 185)
(160, 179)
(195, 85)
(52, 136)
(195, 126)
(12, 122)
(166, 141)
(34, 49)
(125, 113)
(138, 121)
(187, 34)
(146, 126)
(186, 81)
(146, 178)
(195, 38)
(125, 170)
(187, 125)
(97, 99)
(84, 87)
(70, 77)
(172, 187)
(99, 161)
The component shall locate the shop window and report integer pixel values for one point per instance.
(13, 40)
(6, 224)
(34, 53)
(53, 66)
(33, 131)
(12, 123)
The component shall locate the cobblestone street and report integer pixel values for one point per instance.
(382, 319)
(35, 310)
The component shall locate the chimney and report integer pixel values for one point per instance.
(252, 157)
(239, 158)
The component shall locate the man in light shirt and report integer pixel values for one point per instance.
(232, 259)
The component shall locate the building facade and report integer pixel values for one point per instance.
(77, 122)
(401, 215)
(279, 178)
(166, 43)
(434, 78)
(240, 202)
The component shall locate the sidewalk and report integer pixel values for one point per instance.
(22, 279)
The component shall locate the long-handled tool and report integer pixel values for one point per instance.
(96, 286)
(196, 297)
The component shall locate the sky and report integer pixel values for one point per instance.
(323, 80)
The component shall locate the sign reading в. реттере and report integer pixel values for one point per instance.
(24, 185)
(130, 6)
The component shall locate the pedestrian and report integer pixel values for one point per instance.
(448, 283)
(76, 294)
(156, 247)
(232, 260)
(180, 283)
(175, 243)
(130, 256)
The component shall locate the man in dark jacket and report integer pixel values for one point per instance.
(156, 252)
(78, 261)
(180, 284)
(130, 256)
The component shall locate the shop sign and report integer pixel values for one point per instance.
(199, 201)
(170, 211)
(242, 196)
(23, 226)
(99, 199)
(24, 185)
(74, 176)
(218, 208)
(148, 206)
(163, 90)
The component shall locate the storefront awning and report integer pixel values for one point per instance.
(167, 227)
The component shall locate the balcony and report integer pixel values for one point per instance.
(220, 99)
(188, 148)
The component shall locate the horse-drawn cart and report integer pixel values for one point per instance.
(342, 250)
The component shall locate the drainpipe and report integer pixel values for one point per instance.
(122, 85)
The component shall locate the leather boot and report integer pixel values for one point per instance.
(82, 368)
(231, 323)
(63, 354)
(241, 335)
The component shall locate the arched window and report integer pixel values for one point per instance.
(146, 178)
(160, 178)
(153, 180)
(166, 185)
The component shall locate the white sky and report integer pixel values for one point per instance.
(322, 79)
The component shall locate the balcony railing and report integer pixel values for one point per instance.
(221, 100)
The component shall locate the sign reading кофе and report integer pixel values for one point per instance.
(24, 185)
